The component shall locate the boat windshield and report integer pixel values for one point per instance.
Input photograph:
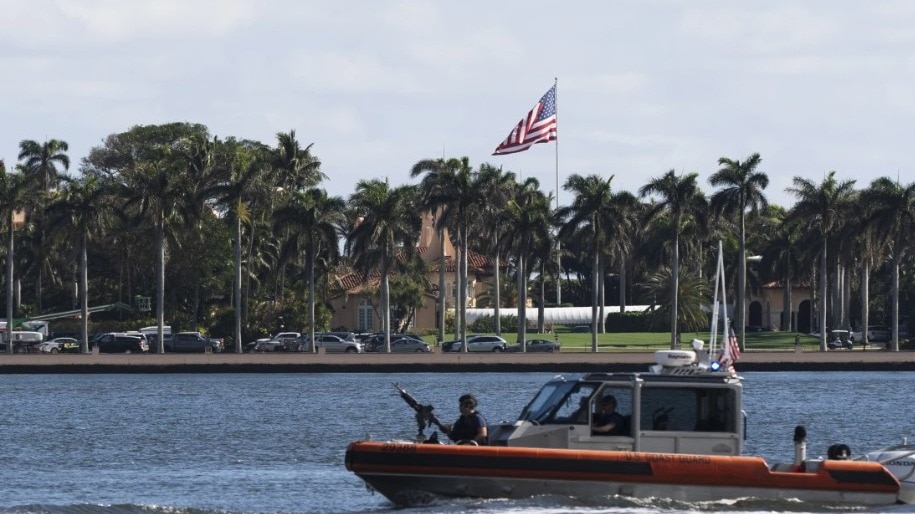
(550, 395)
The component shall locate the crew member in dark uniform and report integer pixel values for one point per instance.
(607, 421)
(471, 426)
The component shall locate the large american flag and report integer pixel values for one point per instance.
(539, 126)
(730, 353)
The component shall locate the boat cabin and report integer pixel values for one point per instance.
(679, 407)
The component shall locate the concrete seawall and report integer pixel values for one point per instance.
(433, 362)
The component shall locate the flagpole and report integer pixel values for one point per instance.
(558, 249)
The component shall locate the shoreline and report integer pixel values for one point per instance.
(577, 362)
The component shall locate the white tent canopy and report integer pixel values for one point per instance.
(554, 315)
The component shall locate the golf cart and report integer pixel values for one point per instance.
(840, 339)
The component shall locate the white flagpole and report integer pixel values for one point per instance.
(558, 249)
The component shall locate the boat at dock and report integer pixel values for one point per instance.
(681, 438)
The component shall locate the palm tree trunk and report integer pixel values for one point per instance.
(522, 304)
(250, 251)
(601, 295)
(675, 291)
(541, 308)
(310, 264)
(83, 294)
(595, 267)
(895, 306)
(160, 283)
(9, 287)
(622, 284)
(742, 281)
(464, 281)
(497, 308)
(785, 325)
(865, 298)
(441, 286)
(386, 307)
(237, 289)
(823, 280)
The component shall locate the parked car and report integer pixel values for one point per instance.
(481, 344)
(273, 345)
(193, 342)
(59, 345)
(536, 345)
(375, 343)
(582, 329)
(448, 346)
(875, 334)
(409, 345)
(122, 342)
(334, 344)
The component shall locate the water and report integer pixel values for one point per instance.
(274, 443)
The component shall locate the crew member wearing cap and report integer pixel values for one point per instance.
(470, 428)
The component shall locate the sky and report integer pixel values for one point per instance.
(643, 86)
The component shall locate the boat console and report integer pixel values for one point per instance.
(680, 406)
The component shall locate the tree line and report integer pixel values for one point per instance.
(238, 237)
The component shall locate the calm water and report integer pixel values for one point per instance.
(268, 443)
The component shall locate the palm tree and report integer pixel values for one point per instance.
(454, 197)
(592, 209)
(528, 213)
(388, 223)
(893, 218)
(781, 256)
(313, 220)
(432, 193)
(497, 188)
(622, 234)
(682, 199)
(155, 193)
(236, 194)
(741, 189)
(13, 194)
(83, 208)
(295, 168)
(823, 208)
(39, 163)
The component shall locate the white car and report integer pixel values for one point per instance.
(482, 344)
(332, 344)
(57, 345)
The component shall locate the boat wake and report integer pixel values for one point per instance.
(550, 504)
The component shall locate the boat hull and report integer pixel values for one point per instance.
(900, 461)
(411, 474)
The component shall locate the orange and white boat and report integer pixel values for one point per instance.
(681, 438)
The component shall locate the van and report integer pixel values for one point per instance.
(23, 340)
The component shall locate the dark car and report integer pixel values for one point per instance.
(193, 342)
(582, 329)
(536, 345)
(122, 343)
(375, 343)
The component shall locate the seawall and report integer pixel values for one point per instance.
(840, 360)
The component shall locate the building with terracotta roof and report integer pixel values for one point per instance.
(356, 303)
